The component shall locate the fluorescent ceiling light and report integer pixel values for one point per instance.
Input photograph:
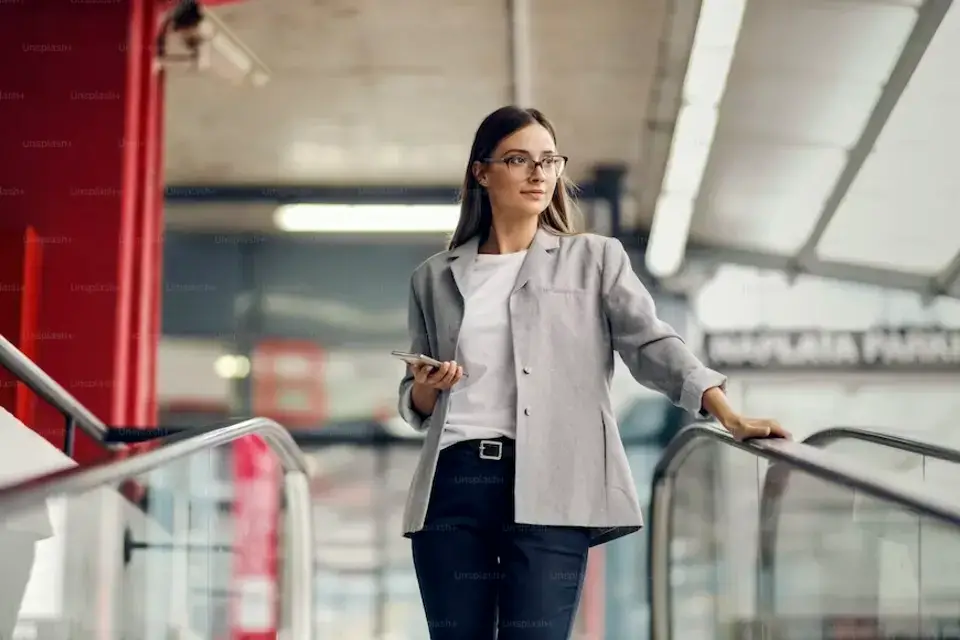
(671, 226)
(719, 23)
(690, 150)
(368, 218)
(714, 44)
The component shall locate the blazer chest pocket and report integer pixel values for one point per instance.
(567, 312)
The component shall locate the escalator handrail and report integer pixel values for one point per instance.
(35, 491)
(833, 434)
(769, 507)
(798, 456)
(38, 381)
(816, 462)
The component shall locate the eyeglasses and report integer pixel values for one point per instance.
(526, 166)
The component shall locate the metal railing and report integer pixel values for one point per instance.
(179, 443)
(828, 436)
(75, 415)
(792, 456)
(36, 379)
(299, 554)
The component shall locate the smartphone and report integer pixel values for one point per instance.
(415, 358)
(418, 358)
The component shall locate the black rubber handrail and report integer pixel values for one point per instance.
(836, 434)
(791, 456)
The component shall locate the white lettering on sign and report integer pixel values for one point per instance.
(928, 348)
(917, 348)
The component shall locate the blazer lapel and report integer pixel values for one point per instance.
(538, 257)
(460, 260)
(454, 295)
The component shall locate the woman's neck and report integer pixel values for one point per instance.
(510, 237)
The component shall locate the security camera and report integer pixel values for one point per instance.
(194, 37)
(184, 21)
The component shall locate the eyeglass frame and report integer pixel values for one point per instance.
(536, 163)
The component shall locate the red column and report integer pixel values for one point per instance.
(72, 124)
(148, 237)
(20, 261)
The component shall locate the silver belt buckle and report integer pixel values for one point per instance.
(491, 456)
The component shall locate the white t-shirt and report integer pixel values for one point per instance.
(483, 405)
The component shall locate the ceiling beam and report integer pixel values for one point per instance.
(929, 17)
(873, 276)
(521, 54)
(287, 194)
(665, 100)
(184, 194)
(943, 283)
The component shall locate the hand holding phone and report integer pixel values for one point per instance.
(430, 372)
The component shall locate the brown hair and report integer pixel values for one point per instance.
(476, 215)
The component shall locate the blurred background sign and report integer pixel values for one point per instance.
(288, 382)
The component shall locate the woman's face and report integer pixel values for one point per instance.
(522, 173)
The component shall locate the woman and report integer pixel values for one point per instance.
(522, 469)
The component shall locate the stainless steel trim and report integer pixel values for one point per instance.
(47, 388)
(827, 436)
(660, 560)
(299, 556)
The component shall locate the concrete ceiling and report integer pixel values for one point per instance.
(831, 156)
(373, 93)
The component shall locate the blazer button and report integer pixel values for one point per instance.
(527, 370)
(526, 411)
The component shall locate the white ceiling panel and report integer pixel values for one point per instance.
(806, 103)
(763, 196)
(901, 211)
(840, 39)
(892, 231)
(801, 89)
(782, 109)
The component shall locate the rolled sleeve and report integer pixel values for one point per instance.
(695, 385)
(419, 343)
(653, 351)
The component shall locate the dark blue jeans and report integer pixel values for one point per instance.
(482, 575)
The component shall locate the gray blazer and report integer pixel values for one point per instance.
(575, 302)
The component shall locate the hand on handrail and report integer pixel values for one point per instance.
(742, 428)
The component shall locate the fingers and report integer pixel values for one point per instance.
(752, 428)
(777, 431)
(437, 375)
(768, 429)
(452, 375)
(421, 372)
(442, 377)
